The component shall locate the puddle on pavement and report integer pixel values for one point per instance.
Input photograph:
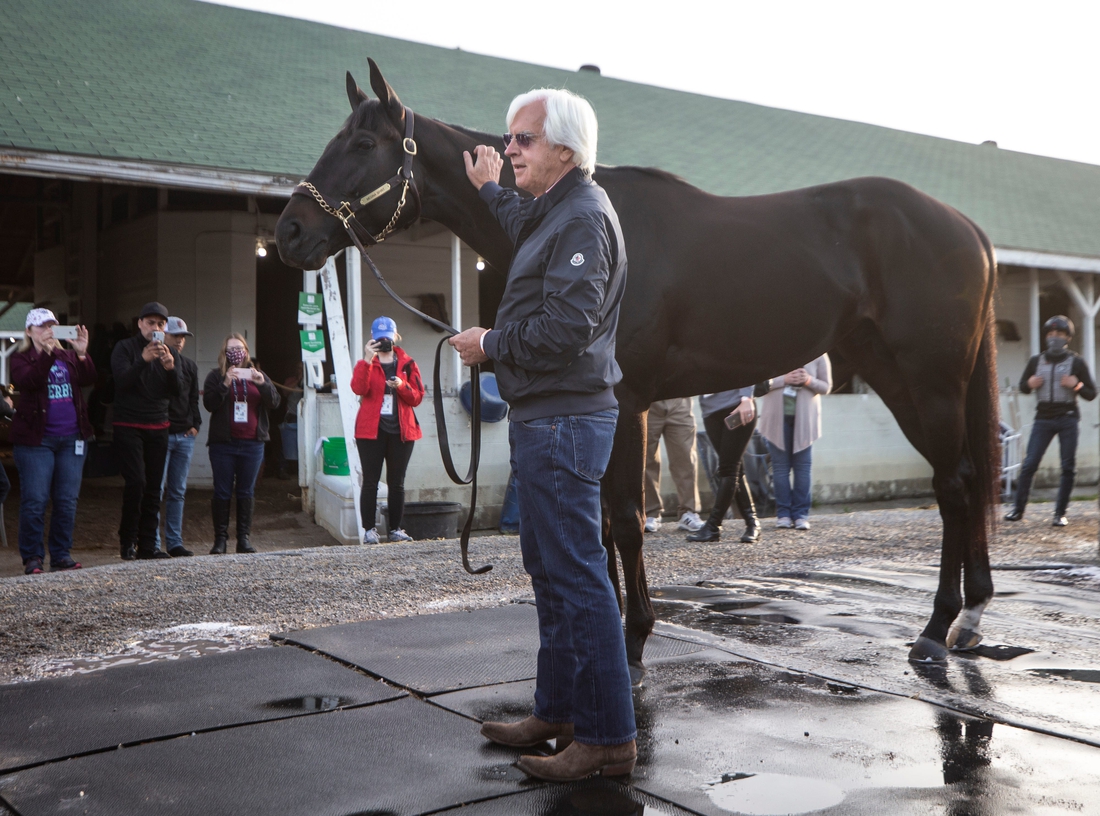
(186, 641)
(319, 703)
(1081, 675)
(769, 794)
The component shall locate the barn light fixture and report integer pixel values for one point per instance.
(480, 263)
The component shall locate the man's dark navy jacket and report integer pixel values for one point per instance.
(554, 342)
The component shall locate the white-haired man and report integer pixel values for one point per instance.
(554, 350)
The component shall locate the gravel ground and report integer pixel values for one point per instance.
(51, 618)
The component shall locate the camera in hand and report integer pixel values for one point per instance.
(385, 344)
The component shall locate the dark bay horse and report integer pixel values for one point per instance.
(726, 292)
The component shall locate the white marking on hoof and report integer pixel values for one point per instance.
(966, 632)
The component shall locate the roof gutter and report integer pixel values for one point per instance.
(1047, 260)
(121, 171)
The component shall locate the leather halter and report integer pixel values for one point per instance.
(346, 212)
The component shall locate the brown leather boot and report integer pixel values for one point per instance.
(579, 760)
(528, 732)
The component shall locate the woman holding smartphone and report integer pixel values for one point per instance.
(49, 432)
(729, 418)
(388, 382)
(238, 397)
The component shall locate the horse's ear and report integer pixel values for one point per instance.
(386, 94)
(355, 94)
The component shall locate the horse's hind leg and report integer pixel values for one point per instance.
(624, 488)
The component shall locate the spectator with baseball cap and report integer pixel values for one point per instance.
(145, 372)
(49, 432)
(184, 421)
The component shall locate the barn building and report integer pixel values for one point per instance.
(147, 148)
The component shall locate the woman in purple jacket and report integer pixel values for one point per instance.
(49, 432)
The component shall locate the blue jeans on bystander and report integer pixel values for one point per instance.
(582, 671)
(238, 461)
(790, 504)
(50, 471)
(1043, 432)
(181, 448)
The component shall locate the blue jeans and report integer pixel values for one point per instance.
(582, 669)
(239, 461)
(181, 447)
(1042, 434)
(52, 470)
(793, 505)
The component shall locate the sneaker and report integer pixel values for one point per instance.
(399, 535)
(652, 525)
(1060, 521)
(1014, 515)
(180, 551)
(32, 566)
(783, 522)
(62, 566)
(690, 522)
(371, 536)
(802, 524)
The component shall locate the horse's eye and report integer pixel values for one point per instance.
(364, 144)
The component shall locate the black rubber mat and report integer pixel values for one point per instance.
(63, 717)
(400, 757)
(457, 650)
(593, 797)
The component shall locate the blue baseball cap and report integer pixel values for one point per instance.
(383, 327)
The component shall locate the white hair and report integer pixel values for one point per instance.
(570, 122)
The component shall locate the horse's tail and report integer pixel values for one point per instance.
(983, 430)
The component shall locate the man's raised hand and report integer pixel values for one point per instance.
(484, 166)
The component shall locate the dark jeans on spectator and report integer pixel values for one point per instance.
(237, 462)
(141, 454)
(52, 470)
(389, 449)
(1042, 434)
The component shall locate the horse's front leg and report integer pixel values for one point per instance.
(624, 485)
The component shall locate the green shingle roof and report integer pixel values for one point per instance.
(185, 82)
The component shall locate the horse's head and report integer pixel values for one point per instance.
(362, 156)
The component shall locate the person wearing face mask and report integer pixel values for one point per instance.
(388, 383)
(1058, 377)
(238, 397)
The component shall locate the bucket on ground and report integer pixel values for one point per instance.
(427, 520)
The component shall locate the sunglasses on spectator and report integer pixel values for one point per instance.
(522, 139)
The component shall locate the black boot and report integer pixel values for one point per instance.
(745, 504)
(244, 524)
(127, 550)
(219, 509)
(711, 531)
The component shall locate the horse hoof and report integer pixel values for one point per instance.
(926, 650)
(961, 640)
(637, 675)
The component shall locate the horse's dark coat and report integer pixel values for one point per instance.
(726, 292)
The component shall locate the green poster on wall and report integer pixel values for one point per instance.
(313, 345)
(309, 307)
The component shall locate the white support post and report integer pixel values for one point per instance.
(353, 265)
(1033, 312)
(341, 363)
(1086, 302)
(308, 423)
(456, 303)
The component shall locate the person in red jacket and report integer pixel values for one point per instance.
(388, 382)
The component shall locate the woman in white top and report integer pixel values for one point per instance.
(790, 421)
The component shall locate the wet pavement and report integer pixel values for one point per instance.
(772, 694)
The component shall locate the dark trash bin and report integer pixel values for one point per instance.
(427, 520)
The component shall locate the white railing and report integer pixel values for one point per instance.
(1011, 459)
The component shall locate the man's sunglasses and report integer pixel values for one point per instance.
(522, 139)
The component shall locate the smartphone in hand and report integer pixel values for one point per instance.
(244, 373)
(64, 332)
(734, 420)
(158, 336)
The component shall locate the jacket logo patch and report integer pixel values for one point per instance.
(577, 259)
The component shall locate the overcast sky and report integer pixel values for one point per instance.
(1023, 74)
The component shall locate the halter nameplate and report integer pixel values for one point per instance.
(381, 191)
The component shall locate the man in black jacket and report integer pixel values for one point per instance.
(554, 349)
(144, 369)
(1058, 377)
(184, 421)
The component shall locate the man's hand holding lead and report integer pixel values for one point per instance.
(483, 167)
(468, 345)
